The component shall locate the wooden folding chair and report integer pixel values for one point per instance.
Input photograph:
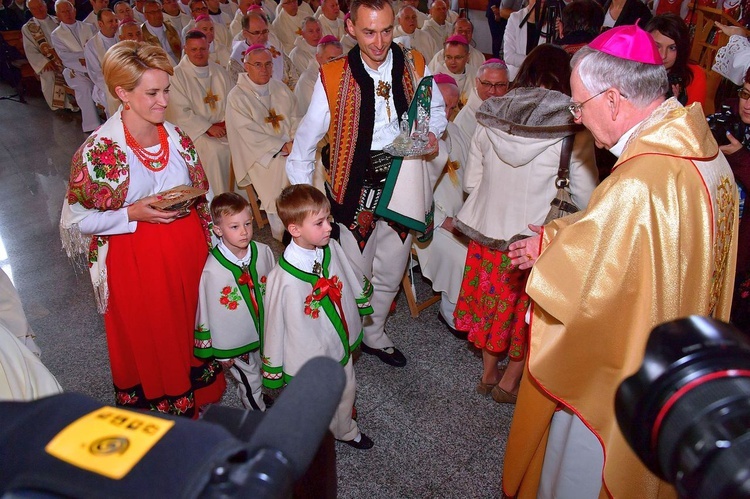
(252, 196)
(415, 307)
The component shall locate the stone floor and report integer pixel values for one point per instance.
(434, 436)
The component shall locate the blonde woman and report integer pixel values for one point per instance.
(145, 264)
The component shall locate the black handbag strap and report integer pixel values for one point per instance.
(563, 171)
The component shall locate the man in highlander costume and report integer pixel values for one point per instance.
(656, 242)
(358, 101)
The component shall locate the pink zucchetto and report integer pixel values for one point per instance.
(457, 39)
(494, 60)
(327, 39)
(202, 17)
(347, 16)
(254, 47)
(444, 78)
(630, 43)
(254, 7)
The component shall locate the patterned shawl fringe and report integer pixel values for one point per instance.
(76, 247)
(101, 292)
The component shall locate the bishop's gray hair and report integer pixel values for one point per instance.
(640, 83)
(491, 65)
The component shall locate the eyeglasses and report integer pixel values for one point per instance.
(743, 93)
(260, 65)
(488, 85)
(256, 33)
(576, 109)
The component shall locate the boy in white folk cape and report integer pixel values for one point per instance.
(229, 321)
(314, 304)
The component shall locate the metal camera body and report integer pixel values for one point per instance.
(725, 121)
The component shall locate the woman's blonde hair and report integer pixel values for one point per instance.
(126, 61)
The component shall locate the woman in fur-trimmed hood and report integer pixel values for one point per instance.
(510, 177)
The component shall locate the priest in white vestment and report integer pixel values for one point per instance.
(331, 19)
(329, 48)
(197, 104)
(37, 45)
(306, 44)
(491, 81)
(261, 123)
(236, 25)
(456, 65)
(174, 14)
(437, 25)
(442, 257)
(229, 7)
(68, 40)
(94, 51)
(407, 33)
(465, 28)
(217, 52)
(157, 32)
(288, 24)
(23, 377)
(97, 6)
(255, 31)
(138, 13)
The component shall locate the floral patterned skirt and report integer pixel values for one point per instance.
(153, 278)
(492, 303)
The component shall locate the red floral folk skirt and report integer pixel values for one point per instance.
(492, 303)
(153, 277)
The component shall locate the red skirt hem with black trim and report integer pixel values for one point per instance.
(153, 279)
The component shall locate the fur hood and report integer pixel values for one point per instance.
(534, 113)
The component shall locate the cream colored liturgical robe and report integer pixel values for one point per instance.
(657, 242)
(197, 100)
(260, 119)
(287, 28)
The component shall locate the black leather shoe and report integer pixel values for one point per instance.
(461, 335)
(364, 443)
(395, 358)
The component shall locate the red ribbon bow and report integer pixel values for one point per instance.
(332, 289)
(245, 280)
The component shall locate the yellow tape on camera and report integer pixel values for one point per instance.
(108, 441)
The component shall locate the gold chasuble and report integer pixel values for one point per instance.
(657, 242)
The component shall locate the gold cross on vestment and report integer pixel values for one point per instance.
(211, 99)
(274, 119)
(275, 53)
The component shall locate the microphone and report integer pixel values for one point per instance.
(286, 440)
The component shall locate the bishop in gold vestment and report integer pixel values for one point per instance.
(656, 242)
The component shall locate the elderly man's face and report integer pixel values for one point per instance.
(206, 26)
(329, 53)
(66, 13)
(259, 66)
(595, 114)
(256, 32)
(196, 50)
(38, 9)
(131, 31)
(290, 7)
(464, 28)
(154, 15)
(123, 11)
(439, 11)
(198, 9)
(450, 95)
(456, 56)
(492, 83)
(408, 20)
(312, 33)
(171, 7)
(331, 9)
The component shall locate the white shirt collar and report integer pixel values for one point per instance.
(240, 262)
(620, 145)
(303, 259)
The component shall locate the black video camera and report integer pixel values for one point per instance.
(725, 121)
(686, 412)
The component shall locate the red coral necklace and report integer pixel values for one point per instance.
(154, 161)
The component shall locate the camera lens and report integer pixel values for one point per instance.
(686, 412)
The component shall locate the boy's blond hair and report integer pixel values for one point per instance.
(297, 202)
(228, 203)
